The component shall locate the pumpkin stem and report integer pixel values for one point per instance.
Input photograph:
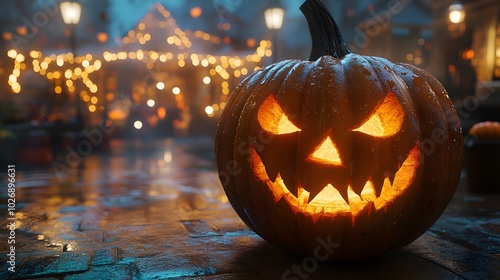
(325, 34)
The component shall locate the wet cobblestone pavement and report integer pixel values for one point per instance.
(157, 211)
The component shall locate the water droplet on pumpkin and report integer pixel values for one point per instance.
(313, 83)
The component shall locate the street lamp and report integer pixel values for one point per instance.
(456, 13)
(71, 12)
(274, 20)
(456, 19)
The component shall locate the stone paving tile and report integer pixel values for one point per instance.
(192, 264)
(273, 264)
(20, 258)
(466, 263)
(104, 257)
(114, 272)
(198, 228)
(54, 265)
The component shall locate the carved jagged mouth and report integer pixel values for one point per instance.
(329, 199)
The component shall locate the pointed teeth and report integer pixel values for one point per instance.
(390, 176)
(368, 192)
(273, 174)
(378, 184)
(329, 195)
(353, 196)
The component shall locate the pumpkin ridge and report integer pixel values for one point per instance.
(299, 69)
(360, 71)
(433, 91)
(388, 84)
(226, 156)
(451, 125)
(289, 74)
(332, 97)
(258, 89)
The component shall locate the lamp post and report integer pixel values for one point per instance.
(456, 13)
(274, 20)
(456, 19)
(71, 12)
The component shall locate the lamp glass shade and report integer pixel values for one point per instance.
(274, 17)
(71, 12)
(456, 13)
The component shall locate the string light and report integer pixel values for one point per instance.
(221, 68)
(160, 86)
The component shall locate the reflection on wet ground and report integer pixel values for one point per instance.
(157, 210)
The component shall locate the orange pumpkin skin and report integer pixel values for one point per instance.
(272, 177)
(486, 130)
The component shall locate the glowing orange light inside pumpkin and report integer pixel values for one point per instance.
(329, 201)
(273, 119)
(326, 153)
(386, 120)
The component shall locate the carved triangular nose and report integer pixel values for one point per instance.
(326, 153)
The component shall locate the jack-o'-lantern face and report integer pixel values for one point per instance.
(346, 172)
(352, 149)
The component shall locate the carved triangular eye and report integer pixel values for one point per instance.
(386, 120)
(326, 153)
(272, 118)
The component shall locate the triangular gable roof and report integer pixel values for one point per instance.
(158, 30)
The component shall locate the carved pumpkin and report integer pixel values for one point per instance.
(340, 148)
